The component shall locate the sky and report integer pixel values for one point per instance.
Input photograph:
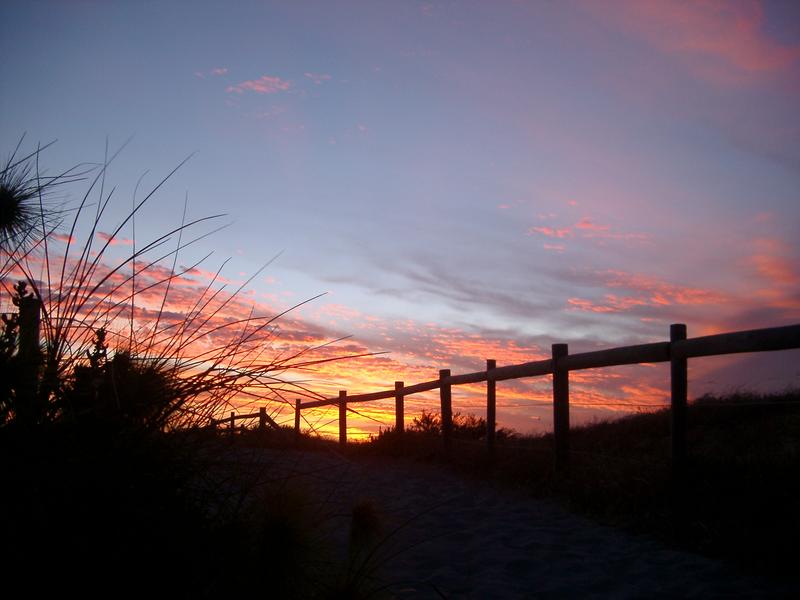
(464, 180)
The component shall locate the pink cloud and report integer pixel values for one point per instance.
(62, 237)
(114, 241)
(208, 275)
(587, 224)
(586, 229)
(721, 42)
(590, 229)
(638, 291)
(613, 304)
(660, 292)
(776, 279)
(771, 261)
(266, 84)
(551, 232)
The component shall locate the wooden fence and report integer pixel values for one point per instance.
(677, 351)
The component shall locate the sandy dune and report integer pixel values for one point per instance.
(447, 537)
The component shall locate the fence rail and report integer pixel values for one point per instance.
(676, 351)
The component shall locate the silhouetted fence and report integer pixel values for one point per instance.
(677, 351)
(264, 420)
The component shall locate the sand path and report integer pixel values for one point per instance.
(448, 537)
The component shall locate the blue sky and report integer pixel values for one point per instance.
(523, 172)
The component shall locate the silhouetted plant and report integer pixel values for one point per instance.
(428, 422)
(464, 425)
(109, 473)
(26, 215)
(104, 353)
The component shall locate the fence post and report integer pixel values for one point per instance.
(342, 418)
(30, 316)
(30, 311)
(233, 423)
(560, 408)
(447, 408)
(491, 407)
(297, 418)
(399, 409)
(262, 419)
(679, 387)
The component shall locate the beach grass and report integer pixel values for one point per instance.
(110, 487)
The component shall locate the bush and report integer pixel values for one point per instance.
(465, 426)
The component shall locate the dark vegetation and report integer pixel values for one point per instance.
(110, 485)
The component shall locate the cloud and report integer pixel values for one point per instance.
(719, 42)
(266, 84)
(659, 292)
(318, 78)
(215, 72)
(114, 241)
(62, 237)
(612, 304)
(584, 229)
(774, 281)
(772, 261)
(631, 298)
(586, 224)
(552, 232)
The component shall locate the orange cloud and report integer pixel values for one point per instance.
(266, 84)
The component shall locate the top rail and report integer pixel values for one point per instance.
(755, 340)
(236, 418)
(615, 357)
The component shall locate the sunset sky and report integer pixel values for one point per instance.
(466, 179)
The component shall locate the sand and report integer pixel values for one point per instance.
(444, 536)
